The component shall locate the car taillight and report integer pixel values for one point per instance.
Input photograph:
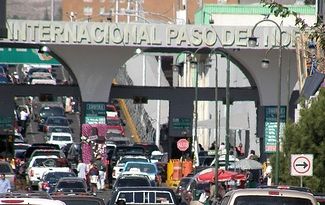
(274, 193)
(12, 201)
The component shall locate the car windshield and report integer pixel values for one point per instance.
(70, 184)
(268, 200)
(126, 159)
(45, 162)
(55, 176)
(126, 182)
(113, 122)
(5, 168)
(46, 153)
(61, 138)
(52, 111)
(80, 201)
(147, 168)
(57, 121)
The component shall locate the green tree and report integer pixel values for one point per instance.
(307, 136)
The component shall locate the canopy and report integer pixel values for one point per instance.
(223, 175)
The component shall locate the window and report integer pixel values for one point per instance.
(88, 11)
(101, 10)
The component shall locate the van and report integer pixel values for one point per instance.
(268, 196)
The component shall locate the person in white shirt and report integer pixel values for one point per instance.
(82, 169)
(23, 121)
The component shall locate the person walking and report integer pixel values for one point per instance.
(102, 169)
(93, 176)
(82, 169)
(4, 184)
(23, 121)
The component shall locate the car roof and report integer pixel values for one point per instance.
(149, 188)
(61, 134)
(71, 179)
(269, 192)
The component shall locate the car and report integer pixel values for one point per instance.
(146, 167)
(59, 129)
(55, 121)
(131, 180)
(149, 148)
(320, 198)
(71, 184)
(78, 198)
(23, 198)
(144, 195)
(6, 169)
(45, 112)
(20, 149)
(268, 196)
(47, 152)
(111, 111)
(118, 168)
(60, 138)
(38, 146)
(50, 178)
(182, 185)
(115, 123)
(116, 137)
(121, 150)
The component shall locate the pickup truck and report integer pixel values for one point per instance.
(40, 164)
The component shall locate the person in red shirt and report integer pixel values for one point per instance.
(93, 176)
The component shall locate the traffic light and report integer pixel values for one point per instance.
(140, 100)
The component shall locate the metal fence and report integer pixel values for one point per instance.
(139, 115)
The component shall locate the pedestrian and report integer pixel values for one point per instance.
(93, 176)
(82, 169)
(240, 150)
(252, 155)
(268, 173)
(4, 184)
(23, 121)
(102, 169)
(222, 148)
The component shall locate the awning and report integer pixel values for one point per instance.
(312, 84)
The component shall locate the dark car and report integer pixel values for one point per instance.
(71, 184)
(78, 198)
(48, 111)
(131, 181)
(182, 185)
(51, 178)
(34, 147)
(149, 148)
(144, 195)
(122, 150)
(54, 121)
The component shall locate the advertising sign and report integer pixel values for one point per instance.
(270, 127)
(95, 113)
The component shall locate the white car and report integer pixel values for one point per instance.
(59, 138)
(123, 160)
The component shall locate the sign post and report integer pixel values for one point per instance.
(302, 165)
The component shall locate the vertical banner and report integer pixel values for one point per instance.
(270, 127)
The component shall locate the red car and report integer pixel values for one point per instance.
(115, 123)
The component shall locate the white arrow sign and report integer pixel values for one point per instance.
(302, 164)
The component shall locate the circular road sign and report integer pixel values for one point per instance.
(183, 144)
(302, 165)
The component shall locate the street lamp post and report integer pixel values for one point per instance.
(252, 42)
